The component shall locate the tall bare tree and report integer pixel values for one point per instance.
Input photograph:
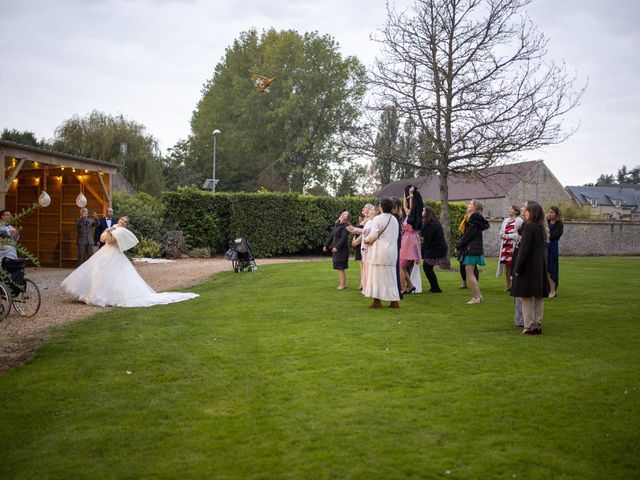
(472, 75)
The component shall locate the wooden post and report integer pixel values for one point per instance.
(3, 181)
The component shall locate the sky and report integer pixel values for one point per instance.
(149, 59)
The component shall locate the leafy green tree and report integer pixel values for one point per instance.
(605, 180)
(23, 137)
(282, 139)
(174, 167)
(114, 139)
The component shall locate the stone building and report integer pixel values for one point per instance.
(609, 202)
(496, 187)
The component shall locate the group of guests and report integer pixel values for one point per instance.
(388, 246)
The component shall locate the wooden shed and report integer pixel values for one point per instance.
(50, 232)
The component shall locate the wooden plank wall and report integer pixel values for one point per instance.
(50, 232)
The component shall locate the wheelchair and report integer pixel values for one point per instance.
(17, 291)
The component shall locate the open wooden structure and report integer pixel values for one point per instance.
(50, 232)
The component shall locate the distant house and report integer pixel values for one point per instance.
(497, 187)
(615, 202)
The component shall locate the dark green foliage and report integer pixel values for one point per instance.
(24, 138)
(203, 217)
(146, 213)
(147, 248)
(274, 223)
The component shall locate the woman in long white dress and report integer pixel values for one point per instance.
(108, 278)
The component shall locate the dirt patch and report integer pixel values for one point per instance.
(20, 337)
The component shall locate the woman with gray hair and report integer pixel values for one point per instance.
(382, 255)
(368, 213)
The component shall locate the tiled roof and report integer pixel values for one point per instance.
(628, 197)
(492, 182)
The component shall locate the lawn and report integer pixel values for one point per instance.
(277, 375)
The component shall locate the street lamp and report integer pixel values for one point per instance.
(215, 133)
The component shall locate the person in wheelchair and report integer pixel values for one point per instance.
(7, 250)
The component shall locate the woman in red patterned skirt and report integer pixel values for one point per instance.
(508, 237)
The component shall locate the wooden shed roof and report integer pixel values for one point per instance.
(52, 157)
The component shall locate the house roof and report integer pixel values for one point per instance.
(52, 153)
(119, 183)
(629, 197)
(492, 182)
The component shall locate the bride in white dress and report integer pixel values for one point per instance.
(108, 278)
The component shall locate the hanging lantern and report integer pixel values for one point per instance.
(45, 200)
(81, 200)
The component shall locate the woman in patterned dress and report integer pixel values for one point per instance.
(508, 235)
(410, 243)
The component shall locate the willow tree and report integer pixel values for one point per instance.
(114, 139)
(471, 74)
(281, 139)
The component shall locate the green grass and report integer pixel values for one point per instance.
(277, 375)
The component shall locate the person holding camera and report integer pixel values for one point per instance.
(85, 226)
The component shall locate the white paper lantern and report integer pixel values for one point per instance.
(81, 200)
(44, 200)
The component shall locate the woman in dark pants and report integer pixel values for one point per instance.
(554, 216)
(339, 245)
(530, 280)
(434, 247)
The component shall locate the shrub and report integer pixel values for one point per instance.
(147, 248)
(202, 216)
(146, 213)
(200, 252)
(174, 244)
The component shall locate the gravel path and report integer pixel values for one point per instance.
(20, 337)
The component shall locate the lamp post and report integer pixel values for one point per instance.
(215, 133)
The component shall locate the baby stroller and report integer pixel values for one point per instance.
(240, 256)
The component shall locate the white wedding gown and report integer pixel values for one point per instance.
(108, 278)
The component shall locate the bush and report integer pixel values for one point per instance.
(146, 213)
(174, 244)
(147, 248)
(200, 252)
(202, 216)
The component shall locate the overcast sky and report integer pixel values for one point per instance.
(148, 60)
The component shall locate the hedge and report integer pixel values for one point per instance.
(273, 223)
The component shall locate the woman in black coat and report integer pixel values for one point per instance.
(434, 247)
(338, 242)
(554, 217)
(470, 247)
(530, 281)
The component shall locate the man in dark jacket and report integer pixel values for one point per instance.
(105, 222)
(86, 231)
